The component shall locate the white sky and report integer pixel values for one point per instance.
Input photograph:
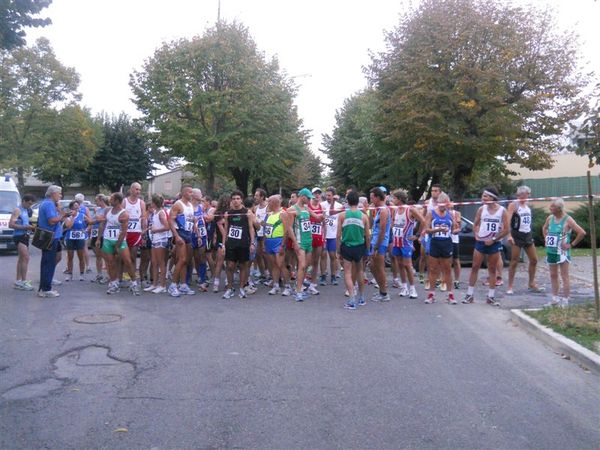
(324, 43)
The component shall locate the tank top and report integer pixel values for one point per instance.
(556, 237)
(316, 226)
(403, 227)
(524, 213)
(491, 224)
(200, 223)
(238, 234)
(77, 231)
(441, 221)
(157, 224)
(23, 219)
(261, 214)
(353, 229)
(302, 226)
(185, 219)
(112, 228)
(135, 214)
(274, 226)
(377, 230)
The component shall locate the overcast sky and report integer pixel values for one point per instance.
(323, 43)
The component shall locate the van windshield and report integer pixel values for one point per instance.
(9, 200)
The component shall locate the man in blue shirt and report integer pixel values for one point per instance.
(50, 219)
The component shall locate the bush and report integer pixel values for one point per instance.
(539, 217)
(582, 217)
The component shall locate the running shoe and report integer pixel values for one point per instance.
(173, 291)
(56, 282)
(68, 278)
(396, 283)
(412, 292)
(275, 291)
(443, 287)
(229, 293)
(378, 297)
(323, 280)
(203, 287)
(438, 283)
(299, 296)
(554, 302)
(185, 289)
(113, 288)
(242, 293)
(451, 299)
(159, 290)
(250, 289)
(468, 299)
(19, 285)
(88, 270)
(350, 305)
(312, 289)
(67, 272)
(536, 289)
(81, 277)
(499, 281)
(510, 291)
(287, 291)
(361, 301)
(134, 288)
(403, 292)
(216, 286)
(149, 288)
(48, 294)
(334, 280)
(421, 278)
(430, 299)
(564, 302)
(491, 301)
(456, 284)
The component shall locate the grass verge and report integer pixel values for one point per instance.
(576, 322)
(541, 252)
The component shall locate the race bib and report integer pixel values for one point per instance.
(305, 226)
(77, 235)
(112, 233)
(134, 225)
(189, 225)
(316, 228)
(235, 232)
(330, 222)
(397, 231)
(552, 241)
(94, 232)
(202, 231)
(268, 230)
(490, 227)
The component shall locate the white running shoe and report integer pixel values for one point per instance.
(173, 291)
(403, 292)
(159, 290)
(134, 288)
(275, 290)
(312, 289)
(242, 293)
(397, 283)
(287, 291)
(229, 293)
(113, 288)
(150, 288)
(216, 286)
(185, 289)
(56, 282)
(251, 289)
(413, 293)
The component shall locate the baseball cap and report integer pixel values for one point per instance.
(305, 192)
(316, 189)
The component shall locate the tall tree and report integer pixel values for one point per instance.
(465, 82)
(33, 85)
(586, 134)
(216, 102)
(71, 139)
(124, 155)
(16, 15)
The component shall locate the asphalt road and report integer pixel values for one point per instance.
(203, 372)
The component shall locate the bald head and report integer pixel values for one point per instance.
(274, 201)
(197, 194)
(135, 190)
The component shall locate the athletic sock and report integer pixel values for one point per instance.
(491, 293)
(404, 286)
(470, 290)
(202, 272)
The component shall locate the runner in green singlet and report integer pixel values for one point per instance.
(557, 239)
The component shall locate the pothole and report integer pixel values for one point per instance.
(95, 319)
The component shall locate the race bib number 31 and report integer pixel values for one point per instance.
(316, 228)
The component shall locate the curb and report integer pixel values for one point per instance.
(581, 355)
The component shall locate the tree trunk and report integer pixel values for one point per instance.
(418, 188)
(21, 177)
(210, 179)
(241, 177)
(460, 181)
(256, 184)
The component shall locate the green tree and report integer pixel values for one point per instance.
(71, 139)
(216, 102)
(33, 85)
(16, 15)
(466, 82)
(586, 135)
(124, 155)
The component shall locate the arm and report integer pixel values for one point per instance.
(100, 232)
(505, 227)
(477, 224)
(338, 236)
(383, 220)
(144, 217)
(13, 221)
(173, 224)
(580, 233)
(367, 230)
(510, 211)
(124, 221)
(427, 224)
(545, 227)
(457, 227)
(225, 228)
(252, 221)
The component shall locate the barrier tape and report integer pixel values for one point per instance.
(475, 202)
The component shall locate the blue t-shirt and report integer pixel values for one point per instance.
(23, 219)
(48, 210)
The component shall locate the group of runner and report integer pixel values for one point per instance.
(294, 244)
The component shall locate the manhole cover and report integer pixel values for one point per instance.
(94, 319)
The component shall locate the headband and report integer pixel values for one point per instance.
(491, 194)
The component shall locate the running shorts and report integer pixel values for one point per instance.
(496, 247)
(440, 248)
(353, 254)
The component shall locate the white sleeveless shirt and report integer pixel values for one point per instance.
(112, 229)
(524, 212)
(135, 214)
(491, 224)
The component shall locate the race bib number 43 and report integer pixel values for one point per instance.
(235, 232)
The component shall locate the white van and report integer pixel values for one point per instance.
(9, 200)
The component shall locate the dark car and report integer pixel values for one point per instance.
(467, 244)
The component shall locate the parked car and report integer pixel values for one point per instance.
(467, 244)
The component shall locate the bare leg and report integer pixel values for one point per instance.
(564, 274)
(532, 257)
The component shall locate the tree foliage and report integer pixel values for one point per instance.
(71, 139)
(219, 104)
(586, 135)
(124, 155)
(16, 15)
(33, 86)
(464, 83)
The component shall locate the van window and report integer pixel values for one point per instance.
(9, 200)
